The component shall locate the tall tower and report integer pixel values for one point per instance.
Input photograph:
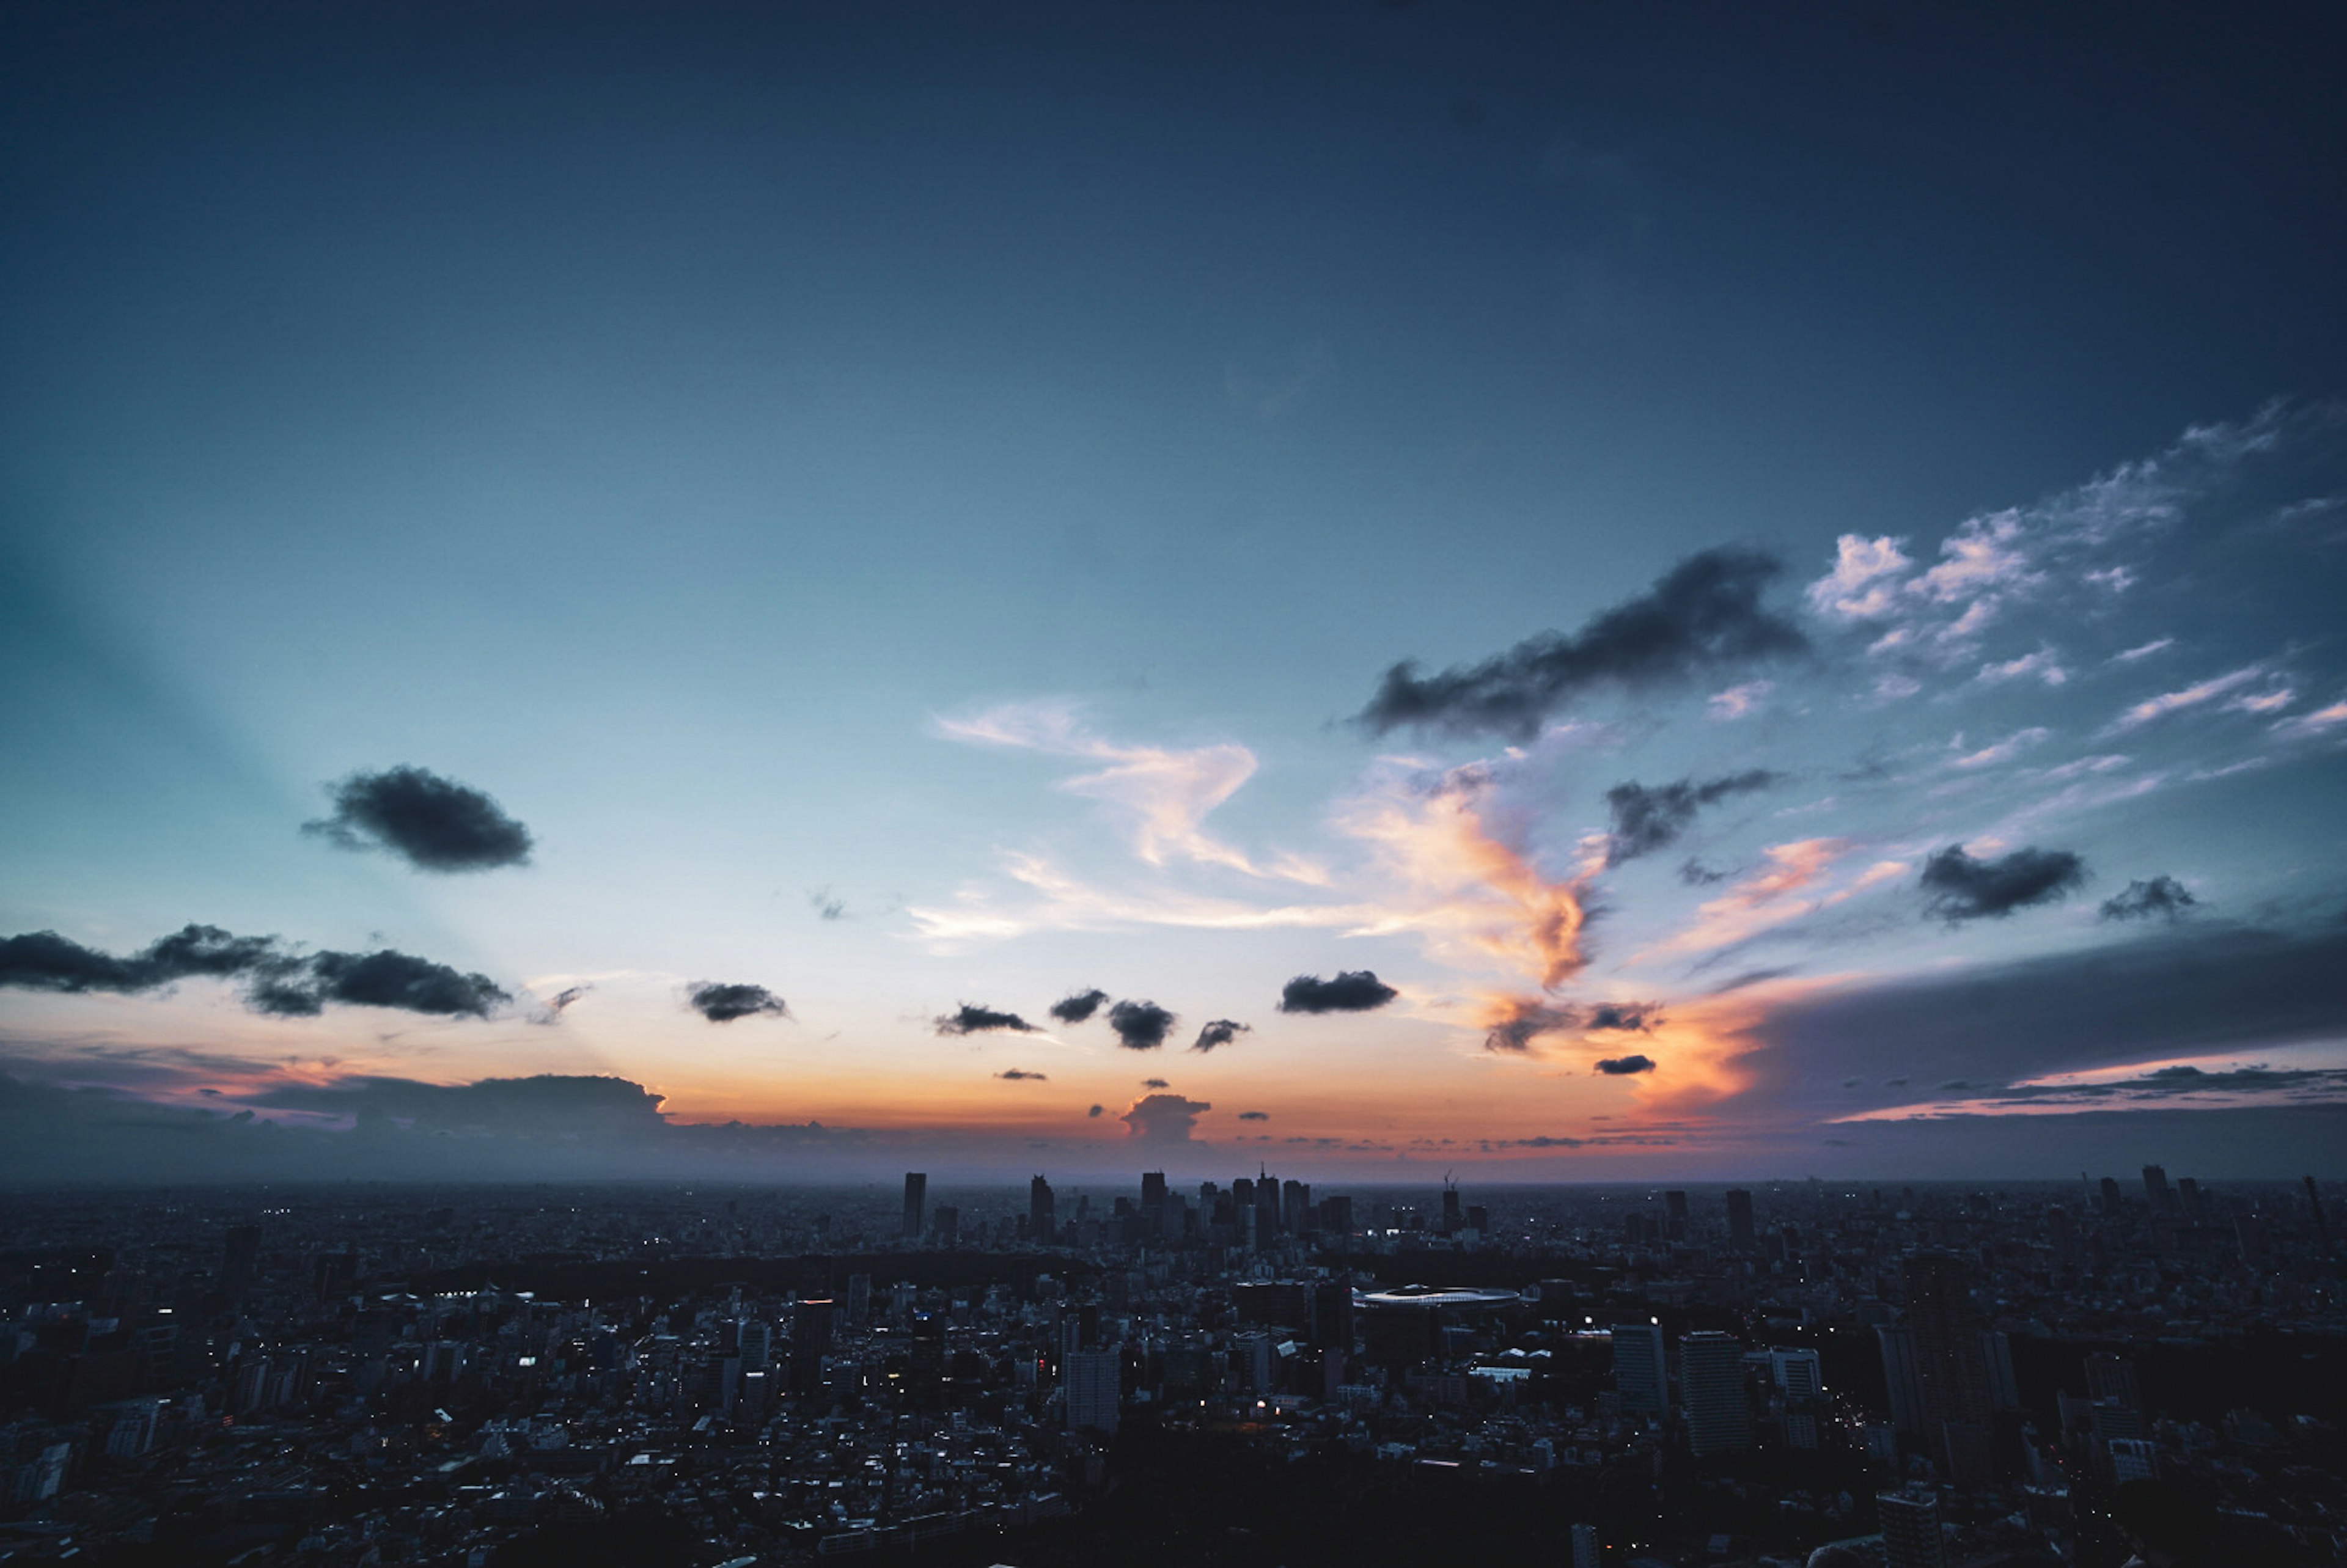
(917, 1193)
(1911, 1529)
(1711, 1378)
(1042, 1211)
(1951, 1370)
(1639, 1376)
(1090, 1378)
(2156, 1190)
(1740, 1234)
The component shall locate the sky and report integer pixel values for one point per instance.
(1576, 593)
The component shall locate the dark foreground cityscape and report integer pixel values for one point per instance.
(1248, 1373)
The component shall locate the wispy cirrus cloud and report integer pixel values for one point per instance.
(1163, 794)
(2197, 694)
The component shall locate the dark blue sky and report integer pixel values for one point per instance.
(917, 463)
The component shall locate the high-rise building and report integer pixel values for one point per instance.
(1091, 1380)
(1711, 1386)
(1153, 1191)
(241, 1260)
(1336, 1215)
(1911, 1529)
(1996, 1353)
(917, 1192)
(1796, 1372)
(2156, 1190)
(1739, 1220)
(757, 1343)
(1897, 1342)
(859, 1298)
(1674, 1216)
(2113, 1378)
(1586, 1550)
(1042, 1211)
(1451, 1218)
(1950, 1368)
(947, 1222)
(810, 1343)
(1639, 1375)
(2110, 1194)
(1295, 1205)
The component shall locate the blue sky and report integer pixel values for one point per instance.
(971, 473)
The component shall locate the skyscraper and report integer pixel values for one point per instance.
(1153, 1191)
(1042, 1211)
(1639, 1375)
(1911, 1529)
(1674, 1216)
(1585, 1546)
(2156, 1190)
(948, 1222)
(1796, 1373)
(1091, 1380)
(1951, 1372)
(917, 1192)
(1711, 1382)
(1897, 1342)
(1739, 1220)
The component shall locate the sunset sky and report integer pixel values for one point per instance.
(1734, 592)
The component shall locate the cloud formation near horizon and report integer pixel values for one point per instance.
(1704, 615)
(432, 823)
(1959, 887)
(1513, 1024)
(1353, 990)
(1623, 1066)
(2162, 896)
(1078, 1007)
(1221, 1032)
(721, 1002)
(972, 1019)
(1020, 1075)
(1140, 1026)
(278, 980)
(1645, 819)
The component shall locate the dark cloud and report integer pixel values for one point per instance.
(1704, 614)
(1695, 873)
(1163, 1117)
(970, 1019)
(1255, 1115)
(721, 1002)
(1623, 1066)
(1079, 1007)
(2162, 896)
(1097, 1111)
(1353, 990)
(559, 1002)
(385, 979)
(2299, 1084)
(1648, 818)
(826, 906)
(1140, 1026)
(433, 823)
(1020, 1075)
(2189, 990)
(1221, 1032)
(1959, 887)
(1526, 1018)
(278, 980)
(1154, 1084)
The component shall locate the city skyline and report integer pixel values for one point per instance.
(1568, 597)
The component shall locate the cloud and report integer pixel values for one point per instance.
(1163, 1117)
(1702, 616)
(385, 979)
(1740, 701)
(826, 906)
(1079, 1007)
(1221, 1032)
(1645, 819)
(1513, 1024)
(1161, 793)
(2162, 896)
(1353, 990)
(1766, 899)
(2322, 721)
(1624, 1066)
(970, 1019)
(433, 823)
(2143, 650)
(1862, 585)
(1959, 887)
(1097, 1111)
(559, 1002)
(721, 1002)
(1695, 873)
(1154, 1084)
(1020, 1075)
(2191, 696)
(2043, 665)
(1140, 1026)
(278, 980)
(2003, 751)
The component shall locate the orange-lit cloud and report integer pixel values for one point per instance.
(1767, 899)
